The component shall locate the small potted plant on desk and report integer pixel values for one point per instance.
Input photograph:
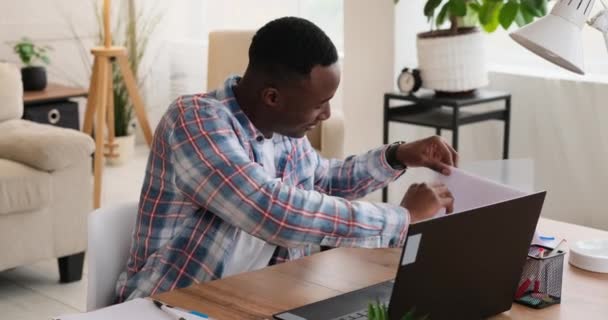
(452, 60)
(32, 75)
(379, 311)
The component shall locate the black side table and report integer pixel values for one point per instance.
(441, 112)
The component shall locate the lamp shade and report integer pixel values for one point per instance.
(557, 37)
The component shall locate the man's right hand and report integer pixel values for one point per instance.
(423, 201)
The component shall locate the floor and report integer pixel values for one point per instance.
(33, 292)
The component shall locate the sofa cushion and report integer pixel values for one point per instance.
(11, 92)
(43, 146)
(22, 188)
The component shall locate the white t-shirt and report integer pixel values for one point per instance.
(251, 253)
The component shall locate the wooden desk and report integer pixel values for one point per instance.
(259, 294)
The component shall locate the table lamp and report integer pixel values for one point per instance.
(557, 37)
(100, 103)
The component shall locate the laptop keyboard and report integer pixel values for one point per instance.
(359, 315)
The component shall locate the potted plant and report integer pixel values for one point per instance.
(132, 31)
(452, 59)
(379, 311)
(32, 75)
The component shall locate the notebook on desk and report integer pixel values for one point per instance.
(461, 266)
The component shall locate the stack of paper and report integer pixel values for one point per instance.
(471, 191)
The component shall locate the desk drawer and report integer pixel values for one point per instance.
(62, 114)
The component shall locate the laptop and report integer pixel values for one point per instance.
(461, 266)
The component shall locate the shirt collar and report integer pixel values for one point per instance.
(226, 95)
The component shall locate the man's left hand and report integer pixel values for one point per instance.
(432, 152)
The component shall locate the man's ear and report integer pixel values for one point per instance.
(271, 97)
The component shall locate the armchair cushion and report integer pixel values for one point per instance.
(22, 188)
(11, 92)
(43, 147)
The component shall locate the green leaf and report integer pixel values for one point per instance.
(442, 14)
(541, 5)
(475, 6)
(519, 19)
(530, 7)
(27, 49)
(458, 8)
(430, 6)
(523, 18)
(488, 15)
(508, 13)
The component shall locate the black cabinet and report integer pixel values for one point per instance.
(59, 113)
(53, 105)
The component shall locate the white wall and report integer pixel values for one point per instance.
(368, 65)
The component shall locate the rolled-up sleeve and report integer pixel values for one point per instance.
(356, 176)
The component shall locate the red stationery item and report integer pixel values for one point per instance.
(522, 288)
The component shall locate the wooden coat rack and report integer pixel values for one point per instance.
(100, 104)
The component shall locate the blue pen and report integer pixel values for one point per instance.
(196, 313)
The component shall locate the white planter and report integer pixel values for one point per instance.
(453, 63)
(125, 150)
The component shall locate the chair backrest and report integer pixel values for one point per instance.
(228, 54)
(109, 242)
(11, 92)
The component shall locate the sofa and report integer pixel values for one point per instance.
(45, 186)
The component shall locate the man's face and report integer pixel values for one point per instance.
(302, 104)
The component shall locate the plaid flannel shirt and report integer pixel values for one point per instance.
(204, 182)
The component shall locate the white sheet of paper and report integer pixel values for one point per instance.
(133, 309)
(471, 191)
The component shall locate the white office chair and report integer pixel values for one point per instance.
(110, 231)
(228, 54)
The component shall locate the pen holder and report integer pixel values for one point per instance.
(541, 280)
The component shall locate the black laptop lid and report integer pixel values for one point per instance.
(467, 265)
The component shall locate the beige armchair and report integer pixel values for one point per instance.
(45, 186)
(228, 54)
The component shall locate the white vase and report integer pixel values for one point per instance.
(452, 63)
(125, 148)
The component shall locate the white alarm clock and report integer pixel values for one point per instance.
(409, 80)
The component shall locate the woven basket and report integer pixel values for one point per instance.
(454, 63)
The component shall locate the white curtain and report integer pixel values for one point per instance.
(561, 125)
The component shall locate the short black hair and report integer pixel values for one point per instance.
(288, 46)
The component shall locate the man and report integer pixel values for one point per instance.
(232, 185)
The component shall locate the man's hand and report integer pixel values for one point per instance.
(423, 201)
(432, 152)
